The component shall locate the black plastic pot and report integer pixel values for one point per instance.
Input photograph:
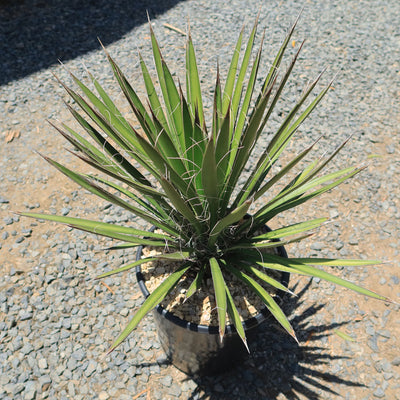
(196, 349)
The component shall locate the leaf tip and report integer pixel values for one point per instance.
(245, 344)
(293, 335)
(109, 351)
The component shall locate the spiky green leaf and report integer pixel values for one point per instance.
(220, 295)
(159, 293)
(303, 267)
(266, 298)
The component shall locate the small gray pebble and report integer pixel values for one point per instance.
(79, 355)
(30, 386)
(373, 344)
(49, 278)
(25, 316)
(17, 344)
(91, 367)
(370, 330)
(18, 388)
(396, 361)
(175, 390)
(26, 232)
(44, 382)
(27, 349)
(65, 211)
(379, 392)
(390, 149)
(66, 323)
(30, 395)
(42, 363)
(395, 279)
(317, 246)
(24, 377)
(72, 364)
(353, 241)
(166, 380)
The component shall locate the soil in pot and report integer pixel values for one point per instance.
(188, 330)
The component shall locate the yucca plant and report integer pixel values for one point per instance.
(187, 177)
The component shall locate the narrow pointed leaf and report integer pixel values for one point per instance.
(174, 109)
(194, 144)
(83, 145)
(299, 267)
(230, 80)
(152, 300)
(181, 255)
(291, 229)
(240, 152)
(111, 113)
(196, 284)
(100, 192)
(235, 317)
(158, 207)
(127, 267)
(252, 186)
(121, 137)
(165, 145)
(242, 115)
(193, 81)
(315, 168)
(217, 107)
(133, 99)
(334, 262)
(163, 167)
(266, 278)
(279, 56)
(169, 93)
(220, 295)
(285, 132)
(210, 181)
(269, 244)
(242, 72)
(105, 145)
(266, 298)
(155, 103)
(296, 197)
(118, 232)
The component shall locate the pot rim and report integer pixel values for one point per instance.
(262, 316)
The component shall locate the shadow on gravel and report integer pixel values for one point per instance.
(34, 34)
(279, 367)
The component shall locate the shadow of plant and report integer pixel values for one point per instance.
(278, 366)
(34, 34)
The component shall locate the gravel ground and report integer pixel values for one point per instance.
(56, 321)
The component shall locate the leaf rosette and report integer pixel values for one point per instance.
(196, 182)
